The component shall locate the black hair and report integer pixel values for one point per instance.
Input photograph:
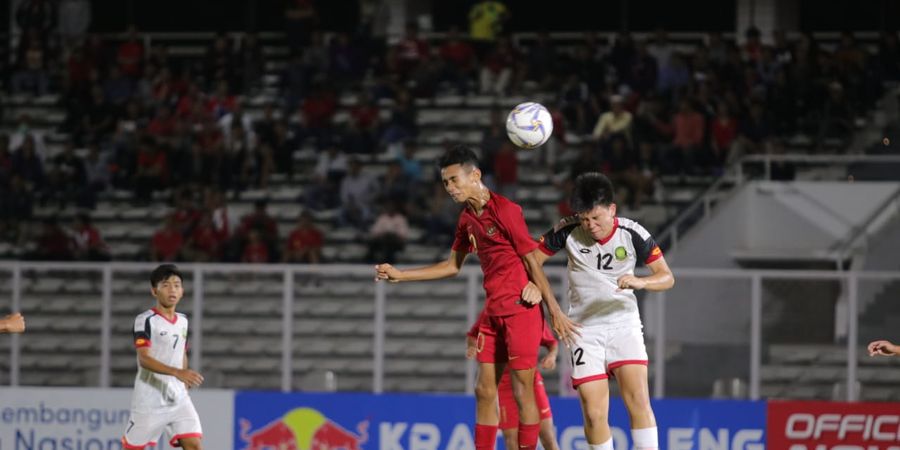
(458, 154)
(164, 272)
(592, 189)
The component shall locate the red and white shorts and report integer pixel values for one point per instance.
(601, 349)
(509, 409)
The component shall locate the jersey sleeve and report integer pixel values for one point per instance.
(645, 247)
(554, 239)
(461, 239)
(548, 340)
(513, 221)
(473, 332)
(142, 331)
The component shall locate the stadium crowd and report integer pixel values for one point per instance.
(177, 129)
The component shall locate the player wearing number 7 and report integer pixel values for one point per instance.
(160, 401)
(603, 250)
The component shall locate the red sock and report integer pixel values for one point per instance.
(485, 437)
(528, 435)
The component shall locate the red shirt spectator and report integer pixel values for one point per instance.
(130, 56)
(724, 130)
(162, 125)
(152, 161)
(319, 109)
(364, 115)
(167, 243)
(206, 238)
(255, 251)
(458, 53)
(506, 165)
(689, 126)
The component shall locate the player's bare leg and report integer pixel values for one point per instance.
(635, 389)
(486, 416)
(191, 443)
(594, 397)
(529, 416)
(511, 438)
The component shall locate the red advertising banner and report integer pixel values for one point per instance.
(832, 426)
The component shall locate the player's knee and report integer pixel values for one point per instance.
(485, 391)
(637, 402)
(595, 417)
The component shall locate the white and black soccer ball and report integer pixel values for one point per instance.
(529, 125)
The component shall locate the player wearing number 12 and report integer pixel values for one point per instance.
(603, 250)
(160, 401)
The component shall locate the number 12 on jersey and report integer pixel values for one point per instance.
(604, 262)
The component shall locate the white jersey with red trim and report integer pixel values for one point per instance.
(595, 266)
(167, 342)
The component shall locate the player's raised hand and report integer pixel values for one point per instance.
(564, 327)
(630, 282)
(387, 272)
(531, 294)
(883, 348)
(189, 377)
(13, 323)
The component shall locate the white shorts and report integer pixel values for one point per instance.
(144, 429)
(600, 349)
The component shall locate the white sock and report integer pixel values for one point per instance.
(645, 439)
(604, 446)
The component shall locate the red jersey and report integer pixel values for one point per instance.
(301, 239)
(500, 238)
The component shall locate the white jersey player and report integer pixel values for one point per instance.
(160, 401)
(603, 251)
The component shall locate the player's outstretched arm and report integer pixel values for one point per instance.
(444, 269)
(660, 279)
(883, 348)
(187, 376)
(564, 327)
(13, 323)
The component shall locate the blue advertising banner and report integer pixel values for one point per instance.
(265, 421)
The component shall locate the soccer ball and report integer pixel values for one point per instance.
(529, 125)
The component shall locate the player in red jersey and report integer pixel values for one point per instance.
(509, 412)
(494, 227)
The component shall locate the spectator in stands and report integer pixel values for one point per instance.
(388, 234)
(74, 20)
(117, 88)
(358, 189)
(674, 76)
(31, 76)
(96, 167)
(621, 163)
(412, 167)
(264, 225)
(753, 133)
(318, 111)
(219, 61)
(506, 170)
(361, 136)
(27, 164)
(780, 170)
(204, 243)
(168, 242)
(838, 115)
(615, 122)
(152, 172)
(883, 348)
(300, 20)
(493, 137)
(304, 244)
(218, 209)
(12, 323)
(688, 130)
(222, 101)
(645, 68)
(323, 190)
(723, 131)
(410, 52)
(660, 49)
(459, 61)
(17, 202)
(255, 249)
(99, 118)
(52, 243)
(6, 160)
(86, 240)
(498, 68)
(439, 216)
(37, 15)
(542, 61)
(575, 98)
(67, 178)
(130, 54)
(486, 21)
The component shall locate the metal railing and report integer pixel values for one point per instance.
(655, 312)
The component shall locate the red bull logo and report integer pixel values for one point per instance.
(303, 429)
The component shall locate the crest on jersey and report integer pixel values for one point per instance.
(491, 230)
(621, 253)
